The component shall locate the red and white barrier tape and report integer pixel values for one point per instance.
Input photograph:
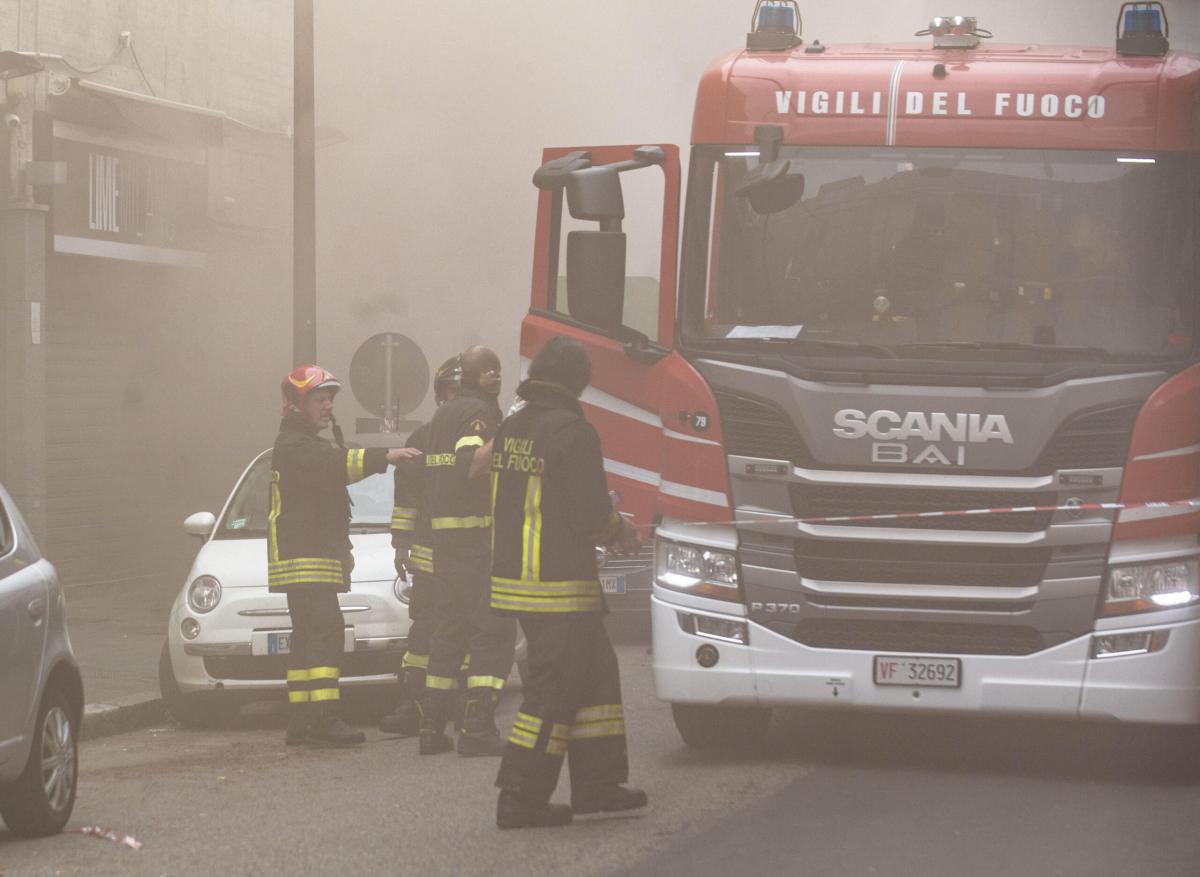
(1190, 504)
(101, 833)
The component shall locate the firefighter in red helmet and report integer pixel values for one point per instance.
(308, 547)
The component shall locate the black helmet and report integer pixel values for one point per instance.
(447, 378)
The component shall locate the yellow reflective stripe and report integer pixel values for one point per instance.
(298, 697)
(485, 682)
(524, 739)
(531, 544)
(532, 724)
(421, 662)
(568, 588)
(521, 595)
(442, 683)
(422, 551)
(434, 460)
(541, 604)
(354, 465)
(297, 676)
(495, 489)
(468, 441)
(323, 694)
(272, 517)
(599, 713)
(305, 564)
(556, 747)
(468, 523)
(420, 564)
(322, 672)
(609, 728)
(404, 518)
(304, 570)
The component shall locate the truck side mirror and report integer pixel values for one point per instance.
(594, 194)
(596, 277)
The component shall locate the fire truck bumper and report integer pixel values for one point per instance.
(1160, 686)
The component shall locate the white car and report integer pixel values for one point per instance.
(227, 637)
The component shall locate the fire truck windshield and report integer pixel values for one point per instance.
(934, 253)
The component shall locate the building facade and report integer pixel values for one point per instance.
(145, 267)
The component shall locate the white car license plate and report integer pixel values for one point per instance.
(613, 584)
(279, 642)
(915, 671)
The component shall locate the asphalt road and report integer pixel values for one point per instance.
(829, 795)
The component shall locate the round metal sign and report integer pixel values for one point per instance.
(389, 375)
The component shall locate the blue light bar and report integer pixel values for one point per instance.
(1146, 22)
(776, 18)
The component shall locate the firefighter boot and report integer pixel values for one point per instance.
(479, 735)
(405, 719)
(606, 798)
(512, 811)
(433, 708)
(297, 726)
(328, 729)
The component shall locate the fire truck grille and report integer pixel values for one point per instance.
(930, 638)
(755, 428)
(819, 501)
(1093, 440)
(1096, 440)
(894, 563)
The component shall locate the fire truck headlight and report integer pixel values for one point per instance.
(696, 569)
(1147, 586)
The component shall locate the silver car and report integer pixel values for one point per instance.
(40, 686)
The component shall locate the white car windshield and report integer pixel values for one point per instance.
(246, 515)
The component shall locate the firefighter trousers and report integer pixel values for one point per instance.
(571, 707)
(316, 645)
(464, 624)
(420, 610)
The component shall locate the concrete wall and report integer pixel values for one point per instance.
(427, 212)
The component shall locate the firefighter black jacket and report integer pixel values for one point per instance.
(410, 514)
(551, 507)
(308, 531)
(459, 506)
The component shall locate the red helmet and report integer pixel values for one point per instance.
(302, 380)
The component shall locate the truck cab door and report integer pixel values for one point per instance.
(604, 273)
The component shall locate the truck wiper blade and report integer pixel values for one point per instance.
(849, 346)
(1097, 352)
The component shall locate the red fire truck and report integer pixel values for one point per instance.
(916, 423)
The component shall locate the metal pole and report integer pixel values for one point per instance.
(304, 195)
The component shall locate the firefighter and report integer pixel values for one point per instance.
(551, 509)
(456, 467)
(414, 556)
(308, 545)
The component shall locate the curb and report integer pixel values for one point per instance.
(105, 719)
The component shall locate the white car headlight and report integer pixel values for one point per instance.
(1146, 586)
(204, 594)
(701, 570)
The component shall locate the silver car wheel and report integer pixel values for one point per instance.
(58, 758)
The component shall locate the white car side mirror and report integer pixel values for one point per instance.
(200, 524)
